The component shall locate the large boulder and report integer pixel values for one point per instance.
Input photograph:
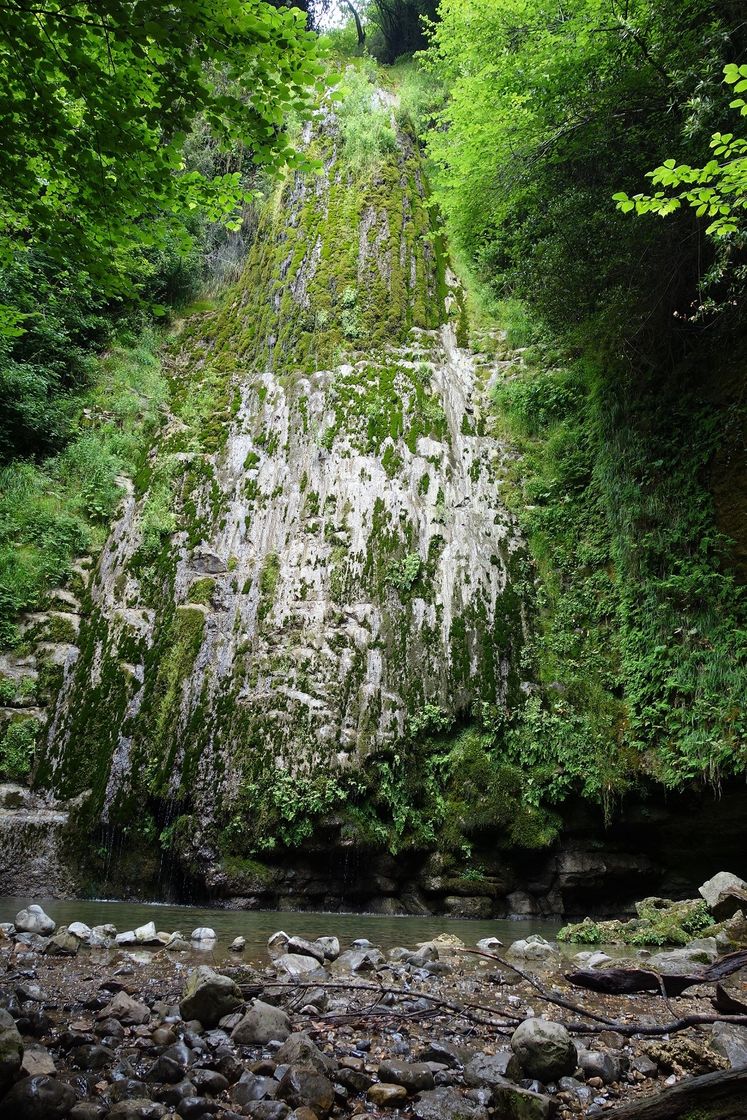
(724, 894)
(63, 943)
(262, 1023)
(730, 1040)
(298, 966)
(305, 1087)
(127, 1010)
(34, 920)
(485, 1071)
(357, 960)
(301, 947)
(11, 1051)
(299, 1050)
(38, 1098)
(545, 1049)
(532, 948)
(331, 947)
(208, 996)
(521, 1104)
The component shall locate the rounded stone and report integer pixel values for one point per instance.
(38, 1098)
(545, 1050)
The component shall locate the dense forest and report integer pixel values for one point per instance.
(587, 180)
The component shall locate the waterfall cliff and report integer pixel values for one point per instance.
(314, 563)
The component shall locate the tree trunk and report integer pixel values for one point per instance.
(358, 24)
(715, 1096)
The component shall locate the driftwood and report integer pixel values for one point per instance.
(482, 1014)
(624, 981)
(728, 1003)
(714, 1096)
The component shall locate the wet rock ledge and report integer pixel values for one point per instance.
(142, 1024)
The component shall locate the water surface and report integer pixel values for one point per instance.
(256, 926)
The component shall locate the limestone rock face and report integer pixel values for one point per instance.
(318, 559)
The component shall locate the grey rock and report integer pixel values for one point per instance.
(137, 1109)
(80, 930)
(447, 1103)
(702, 951)
(147, 934)
(127, 1010)
(62, 944)
(209, 996)
(331, 947)
(545, 1049)
(532, 948)
(38, 1098)
(249, 1088)
(353, 1079)
(92, 1056)
(88, 1110)
(598, 1063)
(37, 1061)
(34, 920)
(299, 966)
(238, 945)
(203, 933)
(267, 1110)
(713, 888)
(277, 943)
(489, 944)
(357, 960)
(11, 1050)
(299, 1050)
(644, 1065)
(521, 1104)
(414, 1076)
(730, 1040)
(491, 1069)
(446, 1053)
(303, 1086)
(301, 947)
(261, 1024)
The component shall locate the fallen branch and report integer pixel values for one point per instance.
(662, 1028)
(550, 997)
(714, 1096)
(467, 1010)
(625, 981)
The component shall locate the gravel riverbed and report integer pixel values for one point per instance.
(137, 1031)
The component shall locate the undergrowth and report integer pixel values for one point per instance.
(60, 507)
(638, 642)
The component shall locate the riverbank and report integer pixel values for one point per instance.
(318, 1028)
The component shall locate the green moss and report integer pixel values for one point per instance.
(17, 746)
(201, 590)
(659, 922)
(269, 578)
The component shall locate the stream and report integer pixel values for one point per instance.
(256, 926)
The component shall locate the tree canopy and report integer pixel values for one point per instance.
(96, 101)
